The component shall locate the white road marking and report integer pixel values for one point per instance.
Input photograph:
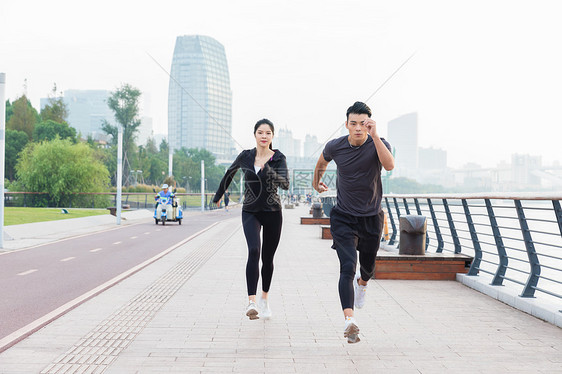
(146, 233)
(28, 272)
(96, 250)
(117, 243)
(134, 237)
(67, 259)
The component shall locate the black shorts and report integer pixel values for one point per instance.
(363, 233)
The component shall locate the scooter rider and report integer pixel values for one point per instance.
(164, 193)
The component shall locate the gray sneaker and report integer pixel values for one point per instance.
(351, 331)
(252, 310)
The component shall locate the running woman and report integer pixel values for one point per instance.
(265, 169)
(356, 222)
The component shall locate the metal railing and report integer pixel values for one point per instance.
(515, 239)
(131, 200)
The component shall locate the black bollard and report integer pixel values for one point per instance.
(412, 235)
(316, 210)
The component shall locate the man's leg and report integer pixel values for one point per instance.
(370, 231)
(342, 228)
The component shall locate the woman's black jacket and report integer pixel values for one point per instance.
(260, 190)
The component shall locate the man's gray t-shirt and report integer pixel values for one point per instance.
(359, 176)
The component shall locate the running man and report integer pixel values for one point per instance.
(356, 222)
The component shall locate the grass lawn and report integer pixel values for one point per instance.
(17, 216)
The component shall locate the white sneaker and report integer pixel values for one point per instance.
(252, 310)
(351, 331)
(265, 312)
(360, 292)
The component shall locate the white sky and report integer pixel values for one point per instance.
(486, 79)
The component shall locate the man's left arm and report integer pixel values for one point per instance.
(385, 156)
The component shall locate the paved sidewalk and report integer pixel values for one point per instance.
(185, 314)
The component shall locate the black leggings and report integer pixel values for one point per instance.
(252, 223)
(354, 234)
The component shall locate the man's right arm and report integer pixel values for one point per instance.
(319, 170)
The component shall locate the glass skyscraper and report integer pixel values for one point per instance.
(199, 97)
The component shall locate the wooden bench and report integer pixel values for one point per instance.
(326, 233)
(315, 221)
(431, 266)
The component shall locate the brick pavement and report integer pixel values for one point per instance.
(185, 314)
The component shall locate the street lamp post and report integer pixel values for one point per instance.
(119, 172)
(202, 185)
(2, 152)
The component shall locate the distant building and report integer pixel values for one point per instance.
(312, 147)
(200, 98)
(431, 158)
(145, 131)
(403, 136)
(87, 109)
(285, 142)
(524, 171)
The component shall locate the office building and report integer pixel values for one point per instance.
(87, 109)
(200, 98)
(312, 147)
(403, 136)
(432, 158)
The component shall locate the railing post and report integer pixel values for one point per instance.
(417, 204)
(393, 236)
(558, 212)
(535, 266)
(397, 207)
(475, 266)
(440, 242)
(406, 206)
(502, 254)
(454, 234)
(397, 215)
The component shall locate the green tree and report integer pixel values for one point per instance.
(59, 167)
(213, 173)
(124, 102)
(15, 143)
(184, 168)
(150, 161)
(164, 147)
(24, 117)
(9, 110)
(56, 110)
(49, 130)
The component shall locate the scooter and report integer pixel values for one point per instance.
(175, 214)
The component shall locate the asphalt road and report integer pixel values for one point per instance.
(36, 281)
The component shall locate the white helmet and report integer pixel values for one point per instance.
(164, 185)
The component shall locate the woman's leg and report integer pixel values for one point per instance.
(252, 228)
(272, 224)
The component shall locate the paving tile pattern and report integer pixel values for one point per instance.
(96, 351)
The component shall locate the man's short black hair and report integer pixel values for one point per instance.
(358, 108)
